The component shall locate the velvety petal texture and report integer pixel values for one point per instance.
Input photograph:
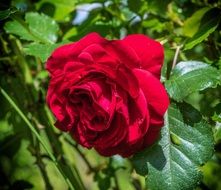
(107, 93)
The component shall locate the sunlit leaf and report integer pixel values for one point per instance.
(37, 27)
(41, 51)
(42, 27)
(15, 27)
(177, 166)
(208, 25)
(191, 76)
(192, 24)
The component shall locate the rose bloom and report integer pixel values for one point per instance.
(107, 93)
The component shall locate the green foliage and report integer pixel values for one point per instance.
(135, 6)
(186, 143)
(42, 26)
(37, 27)
(62, 7)
(191, 76)
(40, 29)
(190, 33)
(15, 27)
(43, 51)
(209, 23)
(192, 24)
(6, 13)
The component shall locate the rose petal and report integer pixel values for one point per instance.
(123, 149)
(157, 100)
(127, 80)
(56, 106)
(85, 58)
(113, 135)
(124, 53)
(148, 50)
(151, 136)
(83, 136)
(153, 90)
(70, 51)
(122, 103)
(139, 119)
(122, 76)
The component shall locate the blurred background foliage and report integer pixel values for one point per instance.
(31, 29)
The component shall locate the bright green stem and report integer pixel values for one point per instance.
(32, 128)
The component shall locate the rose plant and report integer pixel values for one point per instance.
(107, 93)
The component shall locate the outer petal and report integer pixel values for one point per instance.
(151, 136)
(148, 50)
(100, 55)
(139, 119)
(153, 90)
(157, 100)
(70, 51)
(124, 53)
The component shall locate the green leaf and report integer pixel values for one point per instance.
(192, 24)
(208, 25)
(71, 32)
(154, 25)
(37, 27)
(191, 76)
(42, 51)
(62, 7)
(177, 166)
(217, 133)
(15, 27)
(42, 26)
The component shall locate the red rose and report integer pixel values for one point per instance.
(107, 93)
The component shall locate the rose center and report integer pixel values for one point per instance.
(97, 120)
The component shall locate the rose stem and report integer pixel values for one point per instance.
(91, 168)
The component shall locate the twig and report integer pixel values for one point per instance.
(91, 168)
(176, 56)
